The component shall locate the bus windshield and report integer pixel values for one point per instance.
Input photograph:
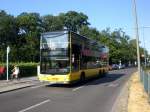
(54, 54)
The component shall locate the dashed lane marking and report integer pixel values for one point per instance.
(34, 106)
(77, 88)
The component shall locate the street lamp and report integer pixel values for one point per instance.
(137, 34)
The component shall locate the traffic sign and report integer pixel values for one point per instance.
(8, 49)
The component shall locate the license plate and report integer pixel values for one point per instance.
(55, 79)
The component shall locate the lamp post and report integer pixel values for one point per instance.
(137, 34)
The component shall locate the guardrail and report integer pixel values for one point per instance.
(145, 79)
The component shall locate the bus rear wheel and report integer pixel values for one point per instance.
(99, 73)
(104, 73)
(82, 77)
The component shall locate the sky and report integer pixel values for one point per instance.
(102, 14)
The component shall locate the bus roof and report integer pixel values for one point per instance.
(61, 32)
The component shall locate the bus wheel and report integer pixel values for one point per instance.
(82, 77)
(104, 73)
(100, 73)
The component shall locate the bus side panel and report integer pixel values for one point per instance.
(75, 76)
(91, 72)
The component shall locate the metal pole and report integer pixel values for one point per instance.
(137, 35)
(148, 84)
(7, 64)
(8, 50)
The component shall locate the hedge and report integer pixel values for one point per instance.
(26, 69)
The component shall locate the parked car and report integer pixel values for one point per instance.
(115, 66)
(121, 66)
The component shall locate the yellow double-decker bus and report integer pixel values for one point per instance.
(67, 57)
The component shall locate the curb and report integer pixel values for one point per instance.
(116, 106)
(5, 91)
(18, 82)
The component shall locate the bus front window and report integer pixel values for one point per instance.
(57, 67)
(55, 55)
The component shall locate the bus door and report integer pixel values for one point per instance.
(76, 51)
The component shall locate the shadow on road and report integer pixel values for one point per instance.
(94, 81)
(109, 78)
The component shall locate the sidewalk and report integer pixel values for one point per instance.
(132, 98)
(6, 86)
(138, 99)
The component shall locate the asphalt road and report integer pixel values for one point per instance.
(98, 95)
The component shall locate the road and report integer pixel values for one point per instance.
(98, 95)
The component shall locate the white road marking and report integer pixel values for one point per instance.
(41, 86)
(77, 88)
(38, 86)
(36, 105)
(113, 85)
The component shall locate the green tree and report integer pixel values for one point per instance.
(52, 23)
(8, 33)
(22, 34)
(92, 33)
(30, 28)
(73, 20)
(28, 22)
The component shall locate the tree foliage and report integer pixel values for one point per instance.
(73, 20)
(8, 32)
(22, 34)
(52, 23)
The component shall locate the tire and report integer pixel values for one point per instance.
(82, 77)
(100, 74)
(104, 73)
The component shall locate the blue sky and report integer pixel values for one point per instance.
(101, 13)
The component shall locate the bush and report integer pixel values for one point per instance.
(26, 69)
